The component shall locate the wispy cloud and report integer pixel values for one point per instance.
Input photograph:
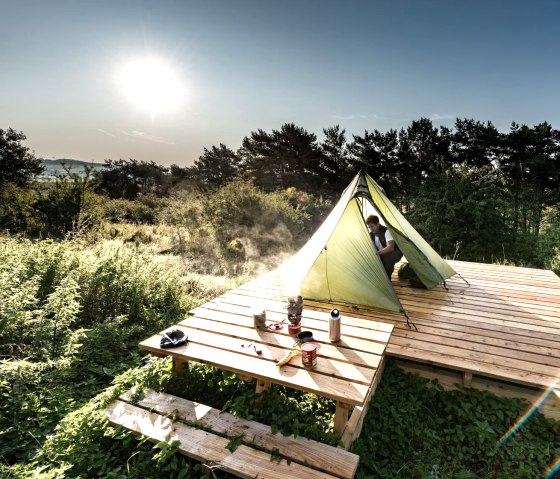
(356, 116)
(142, 135)
(106, 133)
(137, 135)
(437, 116)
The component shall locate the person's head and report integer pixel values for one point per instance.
(372, 222)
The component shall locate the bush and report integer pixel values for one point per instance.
(48, 289)
(17, 212)
(548, 252)
(264, 223)
(69, 205)
(144, 210)
(239, 228)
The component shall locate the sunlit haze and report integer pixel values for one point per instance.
(151, 85)
(161, 80)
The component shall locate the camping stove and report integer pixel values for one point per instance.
(295, 308)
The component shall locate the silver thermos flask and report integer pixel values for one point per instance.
(334, 326)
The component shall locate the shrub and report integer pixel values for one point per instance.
(264, 223)
(144, 210)
(17, 212)
(48, 289)
(69, 205)
(548, 252)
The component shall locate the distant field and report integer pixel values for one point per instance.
(54, 168)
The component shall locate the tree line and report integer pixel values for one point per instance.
(469, 189)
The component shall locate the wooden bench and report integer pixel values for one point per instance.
(210, 436)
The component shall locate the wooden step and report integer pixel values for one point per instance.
(205, 433)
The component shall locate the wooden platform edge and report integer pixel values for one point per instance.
(354, 426)
(451, 379)
(205, 434)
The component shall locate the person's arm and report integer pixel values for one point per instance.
(390, 247)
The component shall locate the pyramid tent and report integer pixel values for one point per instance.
(339, 263)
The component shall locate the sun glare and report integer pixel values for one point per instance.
(151, 85)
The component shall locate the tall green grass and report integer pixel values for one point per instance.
(70, 321)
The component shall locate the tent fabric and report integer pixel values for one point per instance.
(340, 264)
(430, 267)
(348, 266)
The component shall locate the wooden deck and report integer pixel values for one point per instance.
(222, 333)
(505, 326)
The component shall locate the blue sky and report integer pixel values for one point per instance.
(249, 64)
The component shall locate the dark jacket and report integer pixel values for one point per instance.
(381, 235)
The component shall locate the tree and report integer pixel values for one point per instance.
(284, 158)
(335, 160)
(130, 178)
(70, 205)
(17, 164)
(531, 163)
(475, 144)
(423, 150)
(461, 211)
(376, 153)
(216, 167)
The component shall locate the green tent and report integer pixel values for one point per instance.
(339, 263)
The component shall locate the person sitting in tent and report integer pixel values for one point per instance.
(388, 251)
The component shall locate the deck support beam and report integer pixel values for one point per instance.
(467, 379)
(354, 427)
(178, 365)
(262, 386)
(341, 416)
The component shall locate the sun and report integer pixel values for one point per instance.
(151, 85)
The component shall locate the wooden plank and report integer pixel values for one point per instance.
(234, 302)
(480, 344)
(479, 354)
(514, 276)
(550, 328)
(341, 416)
(541, 332)
(249, 296)
(459, 266)
(488, 329)
(325, 365)
(206, 447)
(320, 331)
(480, 308)
(248, 299)
(478, 302)
(517, 339)
(471, 301)
(319, 456)
(284, 340)
(520, 376)
(288, 375)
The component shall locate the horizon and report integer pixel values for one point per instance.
(162, 81)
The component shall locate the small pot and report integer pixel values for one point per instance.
(294, 329)
(305, 336)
